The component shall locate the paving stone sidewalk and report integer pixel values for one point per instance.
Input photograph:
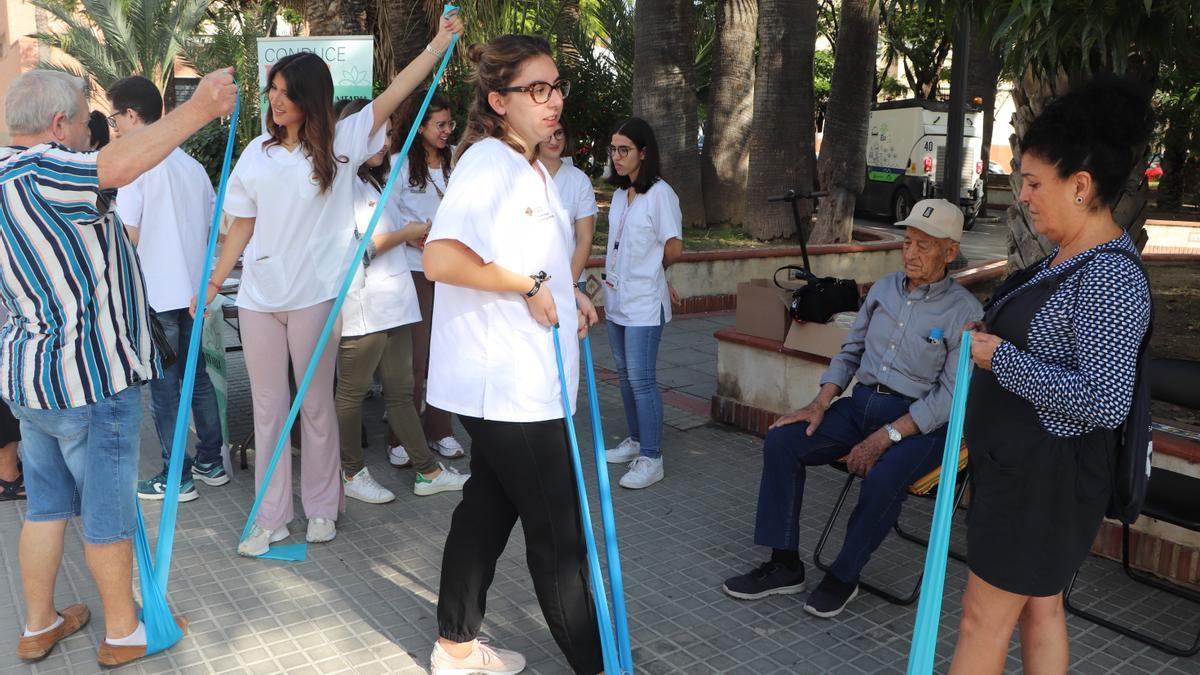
(366, 602)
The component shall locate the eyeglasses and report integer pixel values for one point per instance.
(540, 91)
(621, 151)
(558, 135)
(112, 119)
(445, 126)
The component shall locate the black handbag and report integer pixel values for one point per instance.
(820, 297)
(166, 351)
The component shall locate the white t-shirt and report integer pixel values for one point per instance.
(301, 246)
(637, 234)
(171, 205)
(488, 358)
(576, 192)
(381, 296)
(417, 204)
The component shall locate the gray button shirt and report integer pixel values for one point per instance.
(891, 344)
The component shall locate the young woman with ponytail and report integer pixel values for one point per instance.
(500, 252)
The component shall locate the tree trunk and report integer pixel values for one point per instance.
(782, 145)
(664, 94)
(730, 111)
(323, 18)
(1025, 245)
(568, 25)
(983, 76)
(409, 30)
(844, 149)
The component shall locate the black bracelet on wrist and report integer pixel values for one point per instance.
(537, 283)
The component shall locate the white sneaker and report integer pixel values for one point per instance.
(627, 451)
(447, 481)
(448, 447)
(259, 541)
(398, 457)
(483, 659)
(364, 488)
(320, 530)
(643, 472)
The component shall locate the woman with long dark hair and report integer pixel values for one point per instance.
(290, 194)
(645, 238)
(417, 194)
(1056, 360)
(377, 320)
(500, 251)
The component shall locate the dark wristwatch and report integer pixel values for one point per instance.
(537, 283)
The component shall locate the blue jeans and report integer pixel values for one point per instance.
(635, 352)
(164, 397)
(83, 462)
(788, 450)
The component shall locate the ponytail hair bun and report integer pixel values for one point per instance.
(1100, 127)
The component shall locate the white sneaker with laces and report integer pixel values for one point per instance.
(320, 530)
(643, 472)
(627, 451)
(448, 447)
(483, 659)
(447, 481)
(398, 457)
(259, 541)
(364, 488)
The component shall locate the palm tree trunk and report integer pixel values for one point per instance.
(568, 24)
(323, 17)
(782, 146)
(730, 111)
(843, 151)
(983, 76)
(664, 94)
(1025, 245)
(409, 29)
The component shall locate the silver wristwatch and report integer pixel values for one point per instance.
(893, 433)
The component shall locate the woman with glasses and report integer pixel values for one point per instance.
(575, 191)
(377, 320)
(644, 238)
(290, 194)
(500, 251)
(417, 194)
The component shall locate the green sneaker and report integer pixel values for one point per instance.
(155, 489)
(210, 474)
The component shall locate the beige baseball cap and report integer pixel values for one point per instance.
(937, 218)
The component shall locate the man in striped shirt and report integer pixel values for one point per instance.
(77, 342)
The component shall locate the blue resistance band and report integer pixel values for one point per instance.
(612, 554)
(297, 552)
(607, 644)
(153, 573)
(929, 611)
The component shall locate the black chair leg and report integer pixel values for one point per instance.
(922, 541)
(241, 449)
(865, 585)
(1146, 580)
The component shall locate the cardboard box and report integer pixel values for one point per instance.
(762, 310)
(820, 339)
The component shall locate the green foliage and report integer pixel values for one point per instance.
(112, 39)
(822, 82)
(920, 39)
(230, 39)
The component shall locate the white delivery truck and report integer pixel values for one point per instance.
(906, 158)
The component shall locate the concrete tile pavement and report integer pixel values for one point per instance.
(366, 602)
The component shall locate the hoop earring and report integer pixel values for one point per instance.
(1078, 199)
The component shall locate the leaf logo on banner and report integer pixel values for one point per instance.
(353, 77)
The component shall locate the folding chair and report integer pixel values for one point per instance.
(926, 487)
(1171, 498)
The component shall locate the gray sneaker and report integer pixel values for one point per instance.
(483, 659)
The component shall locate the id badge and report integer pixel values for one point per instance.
(612, 281)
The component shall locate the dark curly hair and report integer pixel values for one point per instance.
(1097, 128)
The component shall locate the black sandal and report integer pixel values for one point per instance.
(11, 490)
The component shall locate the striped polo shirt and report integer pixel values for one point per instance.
(78, 329)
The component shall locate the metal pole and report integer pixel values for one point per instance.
(952, 171)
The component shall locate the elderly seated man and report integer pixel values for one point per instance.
(902, 349)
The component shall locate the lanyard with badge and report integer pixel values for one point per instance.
(610, 277)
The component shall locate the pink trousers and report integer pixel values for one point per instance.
(268, 340)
